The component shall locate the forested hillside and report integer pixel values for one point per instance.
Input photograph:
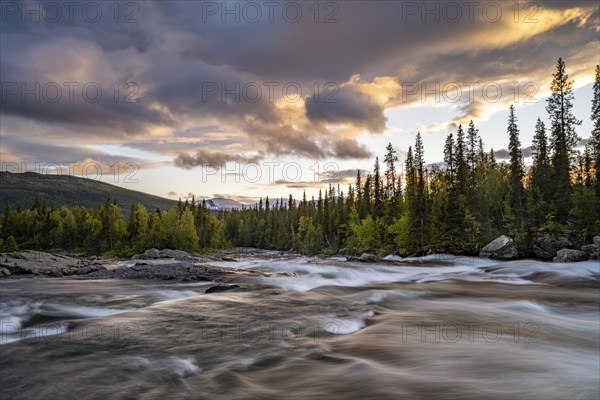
(22, 189)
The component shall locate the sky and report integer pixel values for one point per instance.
(245, 99)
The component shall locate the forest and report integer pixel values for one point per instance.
(456, 206)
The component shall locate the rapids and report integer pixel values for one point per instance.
(429, 328)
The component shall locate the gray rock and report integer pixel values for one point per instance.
(547, 245)
(502, 248)
(366, 258)
(154, 254)
(592, 251)
(596, 241)
(541, 253)
(589, 249)
(4, 271)
(570, 255)
(221, 288)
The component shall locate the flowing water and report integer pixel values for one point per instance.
(456, 328)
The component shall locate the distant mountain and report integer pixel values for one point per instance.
(58, 190)
(221, 203)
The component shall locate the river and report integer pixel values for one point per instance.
(439, 327)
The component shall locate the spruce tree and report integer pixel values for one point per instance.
(462, 169)
(419, 207)
(377, 191)
(563, 138)
(472, 143)
(390, 161)
(517, 197)
(540, 187)
(595, 140)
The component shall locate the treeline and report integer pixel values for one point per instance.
(107, 231)
(456, 206)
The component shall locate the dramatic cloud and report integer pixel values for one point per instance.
(181, 84)
(212, 159)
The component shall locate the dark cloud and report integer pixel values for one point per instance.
(346, 106)
(503, 154)
(208, 158)
(350, 149)
(38, 152)
(175, 53)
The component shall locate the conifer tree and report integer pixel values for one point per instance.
(595, 140)
(563, 138)
(517, 197)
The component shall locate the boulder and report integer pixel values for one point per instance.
(154, 254)
(366, 258)
(570, 255)
(501, 248)
(547, 245)
(596, 241)
(592, 251)
(150, 254)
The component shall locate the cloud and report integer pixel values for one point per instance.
(503, 154)
(207, 158)
(346, 106)
(185, 67)
(350, 149)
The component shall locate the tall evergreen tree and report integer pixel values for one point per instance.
(462, 169)
(517, 195)
(595, 140)
(390, 161)
(377, 191)
(563, 138)
(419, 210)
(540, 185)
(472, 143)
(450, 159)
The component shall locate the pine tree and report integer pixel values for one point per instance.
(419, 214)
(472, 142)
(450, 159)
(517, 197)
(462, 169)
(595, 140)
(390, 161)
(563, 138)
(377, 210)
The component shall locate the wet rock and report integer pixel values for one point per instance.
(591, 251)
(154, 254)
(366, 258)
(502, 248)
(221, 288)
(228, 259)
(547, 244)
(4, 271)
(88, 269)
(570, 255)
(150, 254)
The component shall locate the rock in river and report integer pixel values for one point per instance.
(502, 248)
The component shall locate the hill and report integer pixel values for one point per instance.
(65, 190)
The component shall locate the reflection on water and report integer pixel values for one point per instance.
(431, 329)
